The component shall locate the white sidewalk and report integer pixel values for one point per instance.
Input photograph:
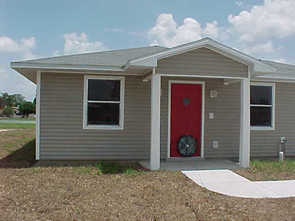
(229, 183)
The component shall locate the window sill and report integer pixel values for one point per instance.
(262, 128)
(102, 127)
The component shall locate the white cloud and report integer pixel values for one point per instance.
(9, 45)
(260, 48)
(13, 83)
(75, 43)
(168, 33)
(275, 18)
(22, 47)
(11, 49)
(211, 29)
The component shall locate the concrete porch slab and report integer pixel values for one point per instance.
(194, 164)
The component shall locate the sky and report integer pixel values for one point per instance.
(34, 29)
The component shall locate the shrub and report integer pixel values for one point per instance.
(8, 112)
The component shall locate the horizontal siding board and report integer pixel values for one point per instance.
(226, 125)
(202, 62)
(61, 133)
(267, 143)
(62, 136)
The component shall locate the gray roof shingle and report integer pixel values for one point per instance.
(116, 58)
(281, 67)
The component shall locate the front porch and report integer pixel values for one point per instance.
(194, 164)
(230, 125)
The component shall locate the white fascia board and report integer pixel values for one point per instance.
(15, 65)
(275, 77)
(210, 44)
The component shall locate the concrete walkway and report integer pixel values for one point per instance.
(229, 183)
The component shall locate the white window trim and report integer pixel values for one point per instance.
(85, 103)
(272, 127)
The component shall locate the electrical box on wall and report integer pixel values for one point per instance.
(215, 144)
(213, 93)
(211, 116)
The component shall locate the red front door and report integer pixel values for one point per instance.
(186, 115)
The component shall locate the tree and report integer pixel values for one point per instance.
(27, 108)
(2, 104)
(8, 112)
(12, 100)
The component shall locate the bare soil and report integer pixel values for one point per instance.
(78, 193)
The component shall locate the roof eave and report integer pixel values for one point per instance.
(41, 66)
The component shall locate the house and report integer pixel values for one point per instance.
(156, 103)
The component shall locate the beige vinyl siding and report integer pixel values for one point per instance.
(224, 128)
(266, 143)
(202, 62)
(62, 136)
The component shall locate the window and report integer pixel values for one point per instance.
(103, 102)
(262, 100)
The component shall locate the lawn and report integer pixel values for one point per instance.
(20, 118)
(112, 191)
(263, 170)
(16, 125)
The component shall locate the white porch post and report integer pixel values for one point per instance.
(155, 121)
(38, 88)
(245, 124)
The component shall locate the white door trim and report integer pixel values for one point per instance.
(203, 113)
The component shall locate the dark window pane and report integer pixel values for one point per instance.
(103, 90)
(261, 95)
(261, 116)
(103, 114)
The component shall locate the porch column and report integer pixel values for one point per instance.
(245, 124)
(155, 121)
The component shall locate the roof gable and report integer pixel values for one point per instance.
(151, 60)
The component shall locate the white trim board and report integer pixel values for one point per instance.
(203, 114)
(38, 79)
(201, 76)
(122, 100)
(19, 65)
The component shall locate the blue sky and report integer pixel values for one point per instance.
(33, 29)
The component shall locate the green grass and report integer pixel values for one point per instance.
(20, 118)
(16, 126)
(287, 165)
(266, 170)
(104, 167)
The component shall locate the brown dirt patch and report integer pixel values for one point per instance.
(79, 193)
(66, 194)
